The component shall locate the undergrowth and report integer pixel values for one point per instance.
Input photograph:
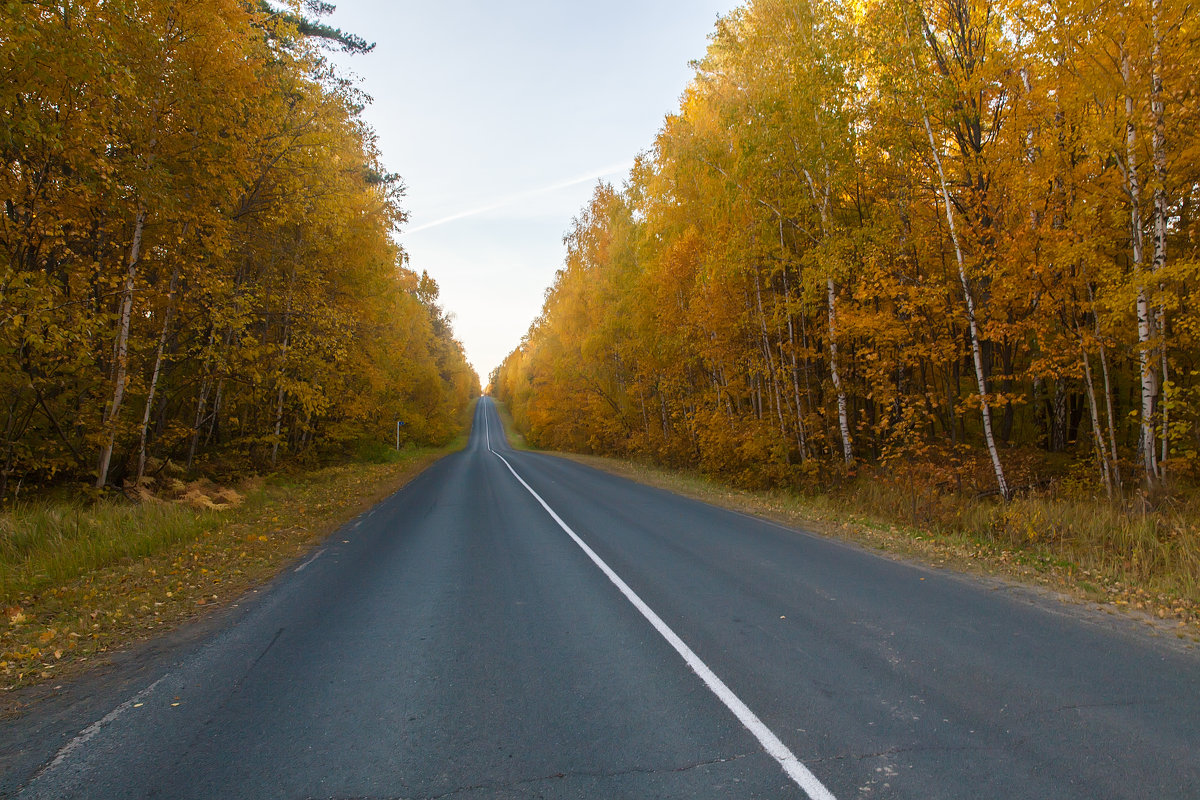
(1156, 548)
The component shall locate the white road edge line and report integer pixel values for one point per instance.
(794, 768)
(91, 730)
(311, 559)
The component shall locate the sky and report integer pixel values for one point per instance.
(501, 117)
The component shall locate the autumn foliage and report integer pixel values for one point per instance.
(955, 237)
(197, 269)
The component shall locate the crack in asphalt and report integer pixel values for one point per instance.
(1114, 704)
(891, 751)
(494, 786)
(1043, 712)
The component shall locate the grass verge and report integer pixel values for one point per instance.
(78, 580)
(515, 438)
(1090, 551)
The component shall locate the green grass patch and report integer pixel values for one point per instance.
(48, 543)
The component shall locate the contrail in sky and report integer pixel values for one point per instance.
(505, 201)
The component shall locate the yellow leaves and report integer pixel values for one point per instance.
(320, 315)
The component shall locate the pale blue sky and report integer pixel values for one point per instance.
(489, 110)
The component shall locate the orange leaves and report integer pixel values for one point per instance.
(692, 321)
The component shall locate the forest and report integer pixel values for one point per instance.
(198, 270)
(951, 242)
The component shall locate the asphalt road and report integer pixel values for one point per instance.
(458, 642)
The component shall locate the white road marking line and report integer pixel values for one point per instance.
(794, 768)
(91, 730)
(311, 559)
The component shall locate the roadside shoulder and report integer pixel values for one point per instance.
(1034, 577)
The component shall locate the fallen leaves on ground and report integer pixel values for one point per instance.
(65, 628)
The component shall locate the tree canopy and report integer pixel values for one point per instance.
(959, 234)
(197, 261)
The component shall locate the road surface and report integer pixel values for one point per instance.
(513, 625)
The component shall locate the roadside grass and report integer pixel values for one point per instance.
(515, 438)
(45, 544)
(1132, 558)
(79, 579)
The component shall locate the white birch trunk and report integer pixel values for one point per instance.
(1145, 312)
(976, 350)
(121, 362)
(1158, 148)
(843, 418)
(822, 201)
(1158, 145)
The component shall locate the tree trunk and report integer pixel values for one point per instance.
(279, 407)
(1097, 436)
(1108, 402)
(121, 362)
(1158, 144)
(1145, 312)
(1159, 157)
(662, 406)
(214, 418)
(287, 331)
(201, 401)
(976, 350)
(801, 438)
(1165, 439)
(1058, 428)
(158, 360)
(766, 351)
(822, 201)
(808, 393)
(843, 418)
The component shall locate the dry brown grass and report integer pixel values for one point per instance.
(1129, 556)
